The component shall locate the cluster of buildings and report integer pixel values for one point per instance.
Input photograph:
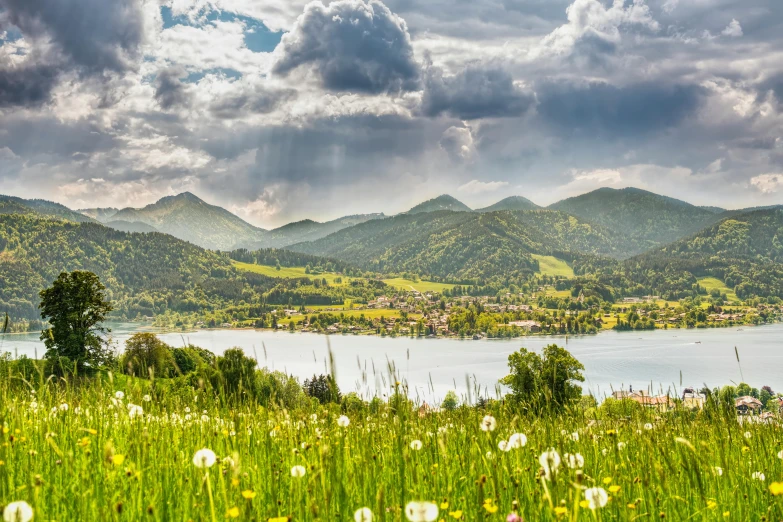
(694, 400)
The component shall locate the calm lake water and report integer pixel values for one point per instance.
(662, 360)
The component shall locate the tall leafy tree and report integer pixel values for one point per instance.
(546, 380)
(76, 306)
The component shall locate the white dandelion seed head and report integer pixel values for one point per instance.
(188, 417)
(33, 405)
(748, 435)
(488, 423)
(604, 452)
(205, 418)
(64, 406)
(421, 511)
(416, 445)
(204, 458)
(343, 421)
(550, 461)
(516, 441)
(718, 470)
(298, 471)
(648, 426)
(146, 398)
(187, 409)
(19, 511)
(503, 445)
(135, 411)
(363, 515)
(780, 454)
(575, 461)
(757, 475)
(575, 436)
(621, 446)
(119, 395)
(596, 497)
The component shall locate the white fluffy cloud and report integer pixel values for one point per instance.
(480, 187)
(767, 183)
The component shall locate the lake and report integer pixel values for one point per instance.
(660, 360)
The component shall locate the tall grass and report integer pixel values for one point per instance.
(75, 451)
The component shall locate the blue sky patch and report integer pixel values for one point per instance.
(258, 38)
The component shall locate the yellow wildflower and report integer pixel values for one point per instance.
(235, 482)
(83, 442)
(776, 488)
(608, 480)
(233, 512)
(444, 505)
(584, 504)
(456, 514)
(278, 519)
(117, 460)
(614, 489)
(249, 494)
(631, 506)
(560, 510)
(91, 431)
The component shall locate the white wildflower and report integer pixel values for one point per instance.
(19, 511)
(416, 445)
(343, 421)
(575, 436)
(576, 461)
(135, 411)
(648, 426)
(503, 445)
(550, 461)
(718, 470)
(204, 458)
(64, 406)
(757, 475)
(119, 395)
(596, 497)
(516, 441)
(621, 446)
(298, 471)
(421, 511)
(146, 398)
(488, 423)
(748, 435)
(363, 515)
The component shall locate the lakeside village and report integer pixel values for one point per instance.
(433, 314)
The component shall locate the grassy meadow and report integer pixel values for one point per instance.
(123, 449)
(713, 283)
(289, 272)
(552, 266)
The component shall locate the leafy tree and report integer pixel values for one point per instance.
(546, 380)
(146, 355)
(323, 387)
(451, 401)
(189, 358)
(75, 306)
(238, 372)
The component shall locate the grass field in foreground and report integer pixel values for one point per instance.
(713, 283)
(288, 272)
(420, 286)
(552, 266)
(78, 453)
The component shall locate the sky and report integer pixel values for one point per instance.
(281, 110)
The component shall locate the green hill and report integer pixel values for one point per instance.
(650, 219)
(511, 203)
(41, 208)
(461, 246)
(127, 226)
(306, 230)
(444, 202)
(187, 217)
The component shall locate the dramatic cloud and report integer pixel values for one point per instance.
(244, 98)
(458, 144)
(170, 91)
(27, 85)
(478, 91)
(351, 45)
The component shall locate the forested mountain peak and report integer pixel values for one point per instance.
(40, 207)
(644, 216)
(443, 202)
(511, 203)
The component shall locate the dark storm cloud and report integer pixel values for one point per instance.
(588, 108)
(96, 35)
(478, 91)
(352, 45)
(250, 100)
(27, 85)
(170, 91)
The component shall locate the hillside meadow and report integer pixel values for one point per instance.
(118, 448)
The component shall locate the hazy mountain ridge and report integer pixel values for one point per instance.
(511, 203)
(444, 202)
(40, 207)
(307, 230)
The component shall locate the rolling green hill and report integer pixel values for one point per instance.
(461, 246)
(41, 208)
(511, 203)
(307, 230)
(650, 219)
(187, 217)
(444, 202)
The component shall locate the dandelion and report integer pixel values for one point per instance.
(516, 441)
(117, 460)
(718, 470)
(621, 446)
(748, 435)
(248, 494)
(187, 409)
(205, 418)
(204, 458)
(550, 461)
(416, 445)
(503, 445)
(363, 515)
(488, 423)
(343, 421)
(757, 475)
(596, 497)
(119, 395)
(614, 489)
(19, 511)
(33, 405)
(135, 411)
(648, 426)
(298, 471)
(575, 461)
(456, 514)
(146, 398)
(233, 512)
(561, 510)
(64, 406)
(575, 436)
(776, 488)
(780, 454)
(604, 452)
(421, 511)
